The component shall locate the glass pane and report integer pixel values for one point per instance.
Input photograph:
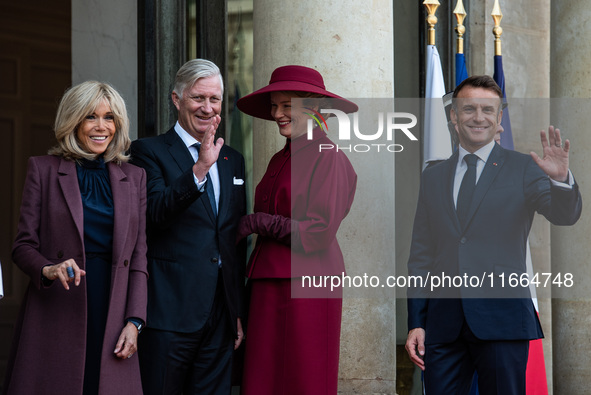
(239, 81)
(191, 29)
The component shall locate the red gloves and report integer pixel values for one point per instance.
(282, 229)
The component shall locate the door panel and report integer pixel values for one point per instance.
(35, 70)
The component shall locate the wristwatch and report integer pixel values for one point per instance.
(139, 324)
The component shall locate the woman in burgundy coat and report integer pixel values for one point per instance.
(293, 335)
(81, 240)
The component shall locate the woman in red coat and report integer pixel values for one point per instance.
(293, 333)
(81, 240)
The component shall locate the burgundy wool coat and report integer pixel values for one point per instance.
(293, 334)
(315, 188)
(48, 351)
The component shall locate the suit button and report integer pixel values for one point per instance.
(463, 240)
(125, 263)
(214, 260)
(60, 254)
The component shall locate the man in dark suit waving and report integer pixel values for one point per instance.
(196, 197)
(473, 217)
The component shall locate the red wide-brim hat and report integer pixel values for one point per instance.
(290, 78)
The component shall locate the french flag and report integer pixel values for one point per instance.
(535, 375)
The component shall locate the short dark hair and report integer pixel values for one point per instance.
(479, 81)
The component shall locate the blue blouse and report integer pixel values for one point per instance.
(97, 200)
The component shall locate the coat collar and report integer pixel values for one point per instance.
(226, 168)
(122, 198)
(68, 181)
(303, 141)
(448, 195)
(178, 150)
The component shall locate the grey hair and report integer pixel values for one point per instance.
(193, 70)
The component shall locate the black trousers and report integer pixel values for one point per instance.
(98, 286)
(501, 365)
(190, 363)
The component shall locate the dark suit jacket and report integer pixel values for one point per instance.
(184, 237)
(52, 320)
(510, 189)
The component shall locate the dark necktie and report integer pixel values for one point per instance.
(209, 187)
(467, 189)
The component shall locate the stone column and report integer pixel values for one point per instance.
(104, 48)
(352, 47)
(569, 78)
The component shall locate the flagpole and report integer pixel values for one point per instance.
(497, 15)
(431, 6)
(535, 375)
(461, 71)
(437, 143)
(460, 14)
(499, 75)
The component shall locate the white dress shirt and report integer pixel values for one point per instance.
(213, 170)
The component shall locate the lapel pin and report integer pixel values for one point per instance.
(494, 163)
(225, 158)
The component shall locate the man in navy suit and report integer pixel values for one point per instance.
(473, 217)
(196, 197)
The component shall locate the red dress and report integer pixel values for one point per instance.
(293, 332)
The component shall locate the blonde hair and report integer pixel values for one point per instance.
(77, 103)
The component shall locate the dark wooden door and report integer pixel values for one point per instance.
(35, 70)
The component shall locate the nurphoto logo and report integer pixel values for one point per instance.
(401, 121)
